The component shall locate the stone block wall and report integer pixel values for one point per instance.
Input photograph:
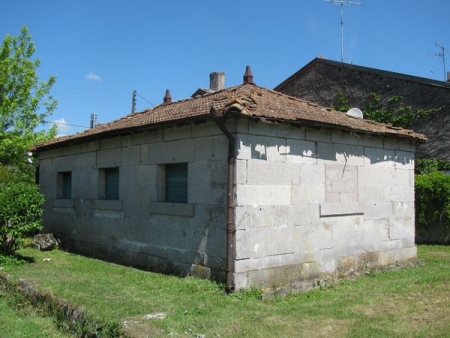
(312, 203)
(139, 228)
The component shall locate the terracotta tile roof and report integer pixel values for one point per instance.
(247, 99)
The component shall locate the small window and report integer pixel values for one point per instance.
(64, 185)
(176, 183)
(112, 184)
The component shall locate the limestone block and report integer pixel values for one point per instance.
(136, 212)
(378, 210)
(273, 173)
(171, 233)
(339, 209)
(353, 138)
(261, 242)
(241, 172)
(305, 214)
(241, 281)
(111, 143)
(340, 154)
(171, 152)
(402, 227)
(313, 175)
(271, 262)
(371, 193)
(373, 176)
(45, 166)
(176, 133)
(399, 144)
(400, 194)
(85, 184)
(263, 195)
(399, 255)
(218, 216)
(313, 237)
(262, 148)
(216, 245)
(405, 160)
(260, 128)
(403, 209)
(250, 264)
(85, 161)
(290, 132)
(64, 163)
(355, 232)
(206, 129)
(131, 155)
(300, 151)
(129, 174)
(379, 157)
(318, 135)
(138, 193)
(109, 158)
(253, 217)
(154, 136)
(307, 194)
(203, 149)
(219, 173)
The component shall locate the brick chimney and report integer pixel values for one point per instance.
(248, 76)
(167, 97)
(448, 76)
(217, 81)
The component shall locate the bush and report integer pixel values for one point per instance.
(433, 204)
(20, 214)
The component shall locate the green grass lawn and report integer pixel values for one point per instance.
(24, 322)
(413, 302)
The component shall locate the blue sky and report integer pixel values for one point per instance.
(102, 50)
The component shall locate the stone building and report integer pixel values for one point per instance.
(321, 80)
(244, 184)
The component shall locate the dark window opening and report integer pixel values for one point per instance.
(112, 183)
(67, 185)
(176, 183)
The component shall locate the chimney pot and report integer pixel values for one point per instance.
(248, 76)
(217, 81)
(167, 97)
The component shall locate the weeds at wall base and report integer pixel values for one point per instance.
(68, 318)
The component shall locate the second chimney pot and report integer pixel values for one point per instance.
(217, 81)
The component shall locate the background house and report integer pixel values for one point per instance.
(244, 184)
(321, 80)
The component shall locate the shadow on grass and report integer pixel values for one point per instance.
(15, 259)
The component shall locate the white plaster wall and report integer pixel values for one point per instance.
(311, 203)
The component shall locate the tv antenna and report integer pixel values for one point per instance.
(343, 3)
(442, 55)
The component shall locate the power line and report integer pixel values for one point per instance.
(144, 99)
(65, 124)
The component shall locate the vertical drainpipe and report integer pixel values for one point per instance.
(231, 228)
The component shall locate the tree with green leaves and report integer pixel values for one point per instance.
(25, 102)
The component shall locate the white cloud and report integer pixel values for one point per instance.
(93, 77)
(63, 127)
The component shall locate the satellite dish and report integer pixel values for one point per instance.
(355, 112)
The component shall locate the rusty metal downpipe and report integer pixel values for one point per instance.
(219, 120)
